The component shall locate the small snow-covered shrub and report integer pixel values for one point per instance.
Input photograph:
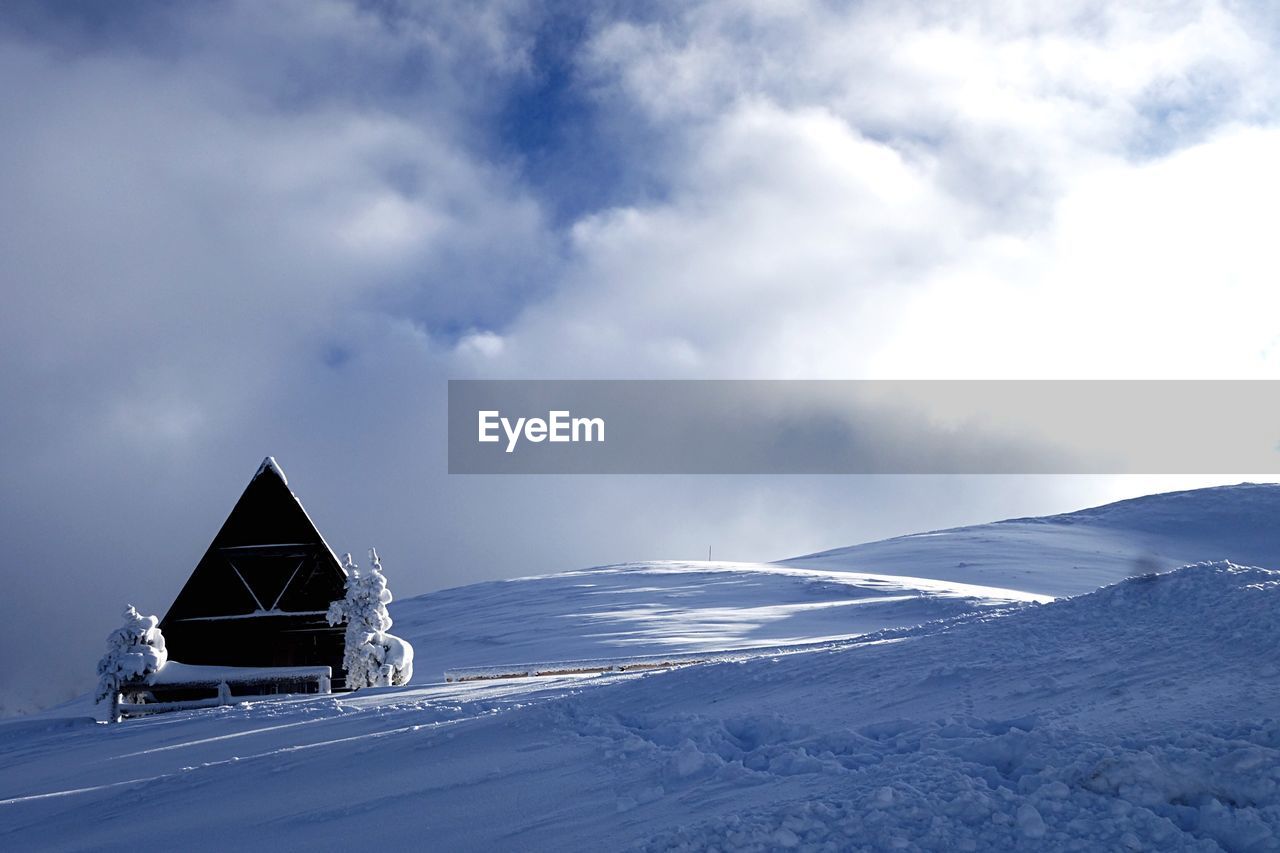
(372, 657)
(134, 651)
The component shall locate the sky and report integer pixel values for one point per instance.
(234, 229)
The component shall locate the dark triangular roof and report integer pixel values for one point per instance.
(267, 558)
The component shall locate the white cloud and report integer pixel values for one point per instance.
(936, 190)
(1153, 270)
(780, 216)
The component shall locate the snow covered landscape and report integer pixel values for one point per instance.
(948, 328)
(1101, 680)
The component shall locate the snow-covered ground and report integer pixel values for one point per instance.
(1080, 551)
(666, 607)
(938, 708)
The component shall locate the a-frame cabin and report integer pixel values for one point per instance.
(259, 596)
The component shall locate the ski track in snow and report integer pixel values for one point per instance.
(955, 712)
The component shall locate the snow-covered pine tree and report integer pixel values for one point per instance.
(134, 650)
(397, 657)
(371, 657)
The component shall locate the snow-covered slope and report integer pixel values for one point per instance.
(1081, 551)
(1138, 717)
(667, 607)
(923, 714)
(1142, 716)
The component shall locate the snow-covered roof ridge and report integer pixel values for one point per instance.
(270, 464)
